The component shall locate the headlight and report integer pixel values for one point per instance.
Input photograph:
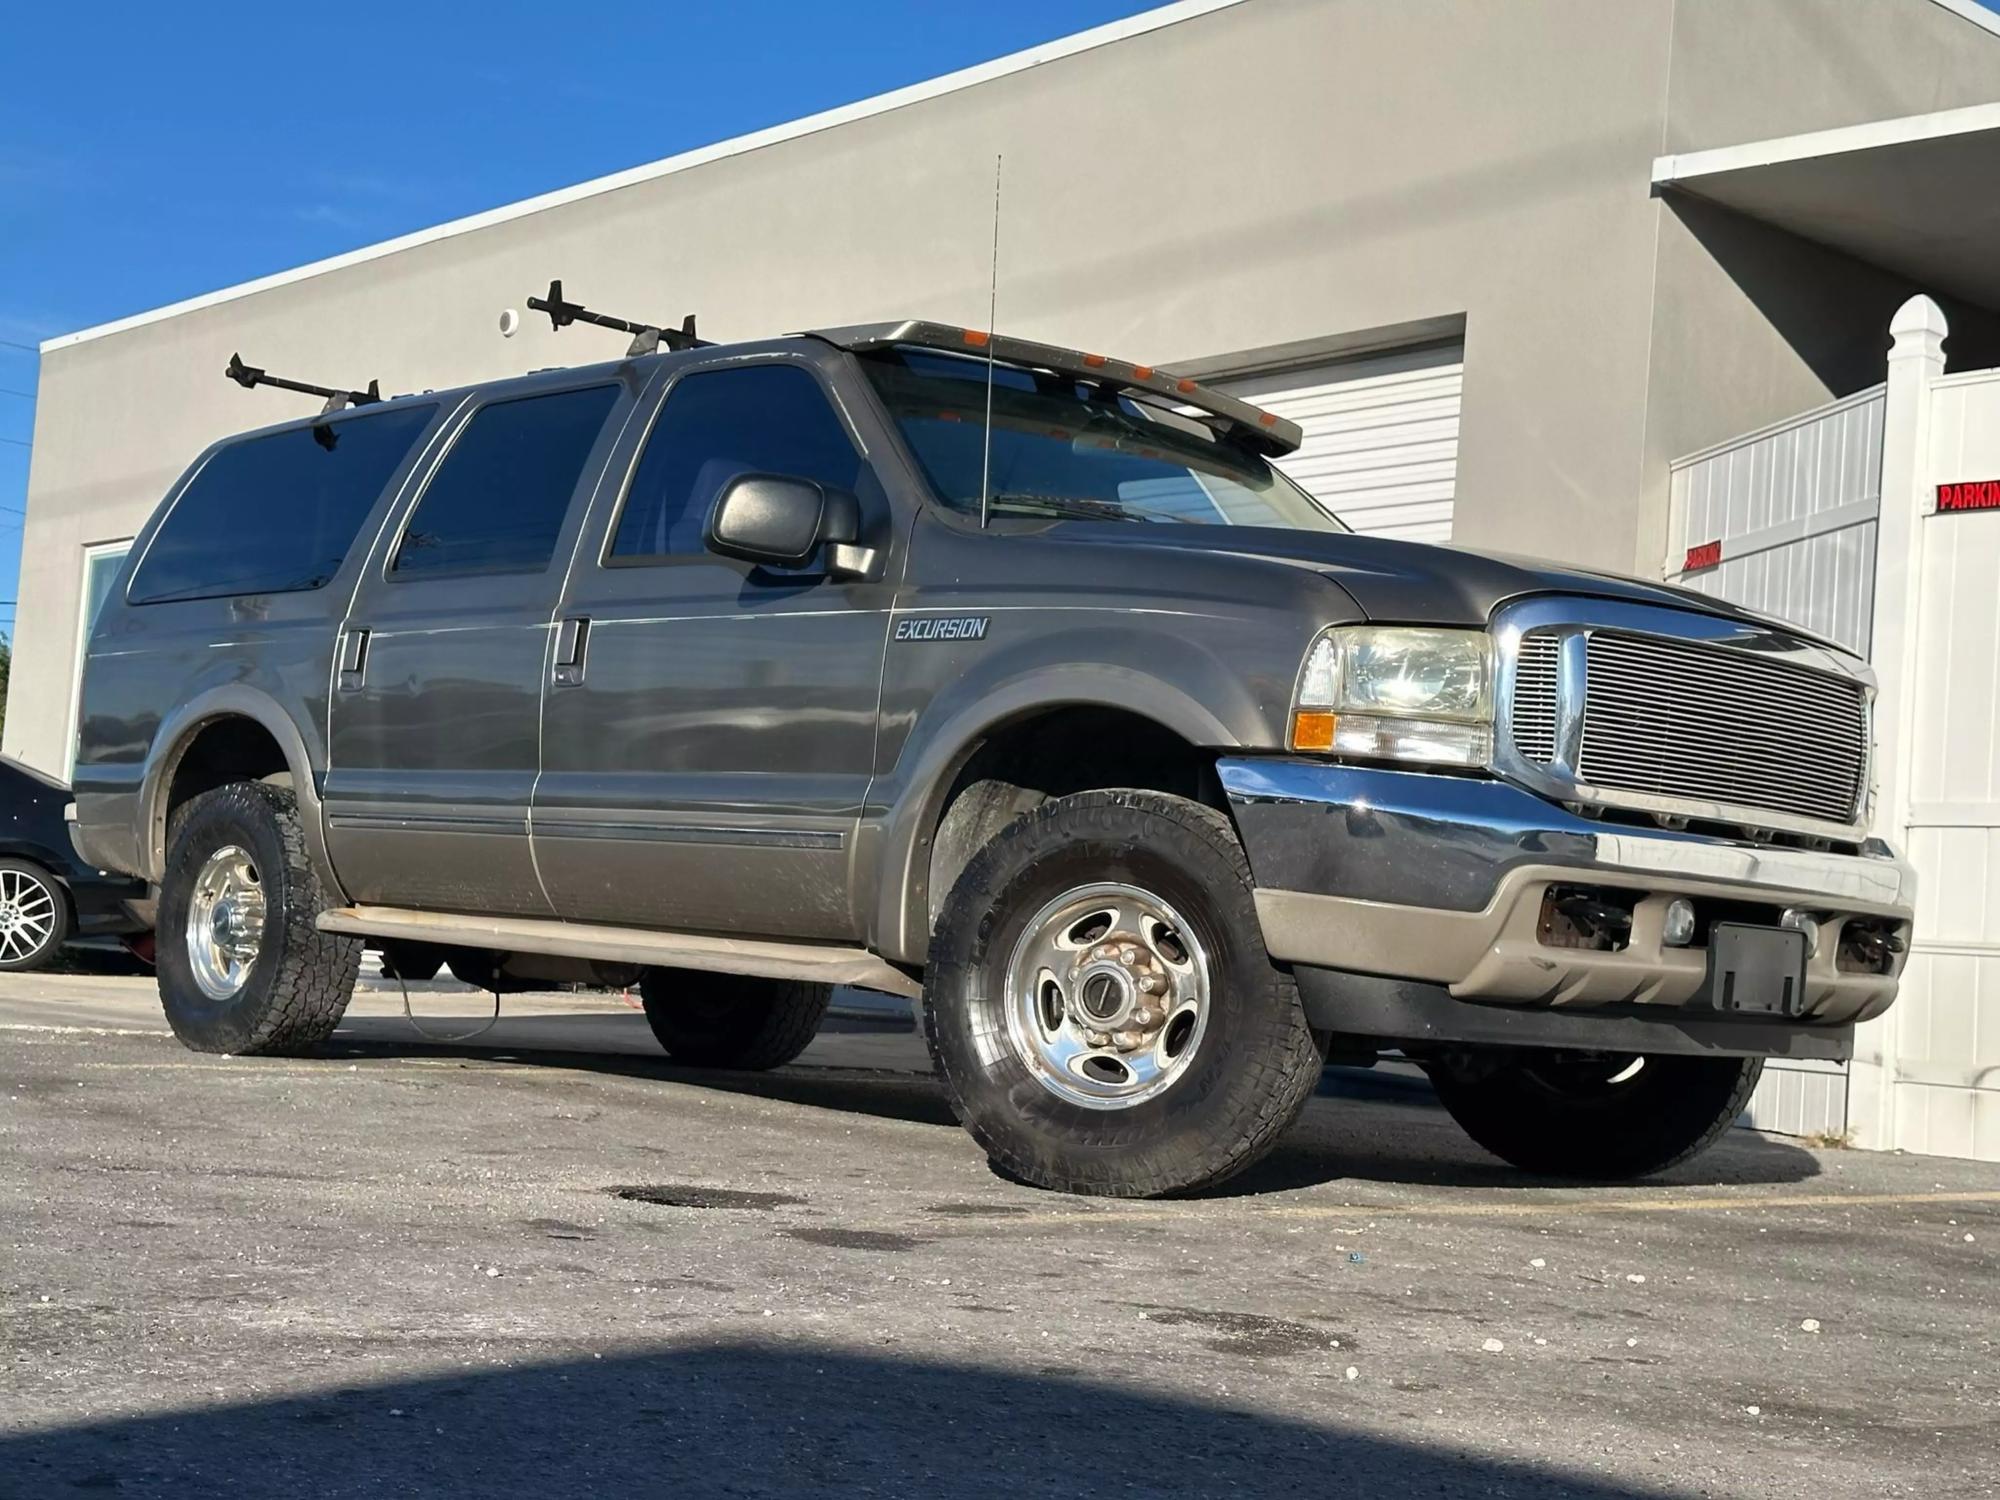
(1384, 692)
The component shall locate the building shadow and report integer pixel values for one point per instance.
(1832, 309)
(761, 1419)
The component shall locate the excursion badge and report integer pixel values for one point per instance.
(941, 628)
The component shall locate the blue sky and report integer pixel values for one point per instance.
(150, 153)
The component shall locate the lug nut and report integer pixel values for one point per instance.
(1128, 1041)
(1128, 955)
(1097, 1038)
(1142, 1017)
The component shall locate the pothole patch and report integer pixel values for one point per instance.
(977, 1210)
(1252, 1334)
(688, 1195)
(856, 1239)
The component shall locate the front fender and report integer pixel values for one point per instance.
(892, 856)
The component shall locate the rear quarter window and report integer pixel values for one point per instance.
(276, 514)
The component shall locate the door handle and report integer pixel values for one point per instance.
(572, 641)
(353, 662)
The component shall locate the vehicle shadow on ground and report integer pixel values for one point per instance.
(753, 1419)
(1362, 1127)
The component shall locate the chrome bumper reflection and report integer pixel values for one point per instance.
(1447, 841)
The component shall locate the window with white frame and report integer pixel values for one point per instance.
(100, 570)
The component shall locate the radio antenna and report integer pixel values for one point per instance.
(992, 308)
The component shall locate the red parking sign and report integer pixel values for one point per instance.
(1976, 494)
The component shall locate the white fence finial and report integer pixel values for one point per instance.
(1918, 332)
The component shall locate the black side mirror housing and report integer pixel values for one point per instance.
(780, 521)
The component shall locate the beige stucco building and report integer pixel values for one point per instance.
(1470, 245)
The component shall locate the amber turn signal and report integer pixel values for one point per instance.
(1312, 730)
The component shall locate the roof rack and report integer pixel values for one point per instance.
(646, 337)
(251, 376)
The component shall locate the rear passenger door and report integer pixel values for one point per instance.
(709, 735)
(436, 709)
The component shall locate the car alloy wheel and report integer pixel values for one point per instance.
(29, 913)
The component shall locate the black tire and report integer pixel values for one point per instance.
(1574, 1115)
(732, 1020)
(1252, 1069)
(298, 985)
(34, 916)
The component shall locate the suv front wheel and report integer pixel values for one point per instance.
(1100, 1004)
(242, 967)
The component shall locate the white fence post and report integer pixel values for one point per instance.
(1916, 358)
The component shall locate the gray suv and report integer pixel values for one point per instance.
(1006, 676)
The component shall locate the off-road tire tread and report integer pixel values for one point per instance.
(788, 1015)
(1276, 1073)
(316, 971)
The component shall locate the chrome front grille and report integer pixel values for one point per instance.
(1703, 723)
(1535, 677)
(1769, 733)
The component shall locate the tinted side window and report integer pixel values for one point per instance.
(276, 514)
(497, 502)
(761, 419)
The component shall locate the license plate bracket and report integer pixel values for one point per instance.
(1754, 971)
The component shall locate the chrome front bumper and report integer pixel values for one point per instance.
(1441, 879)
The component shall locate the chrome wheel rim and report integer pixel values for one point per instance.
(225, 924)
(27, 915)
(1107, 996)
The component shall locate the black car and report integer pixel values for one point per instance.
(47, 894)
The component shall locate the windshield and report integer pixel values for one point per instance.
(1066, 448)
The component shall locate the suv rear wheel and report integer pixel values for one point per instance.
(1100, 1004)
(241, 966)
(1594, 1115)
(732, 1020)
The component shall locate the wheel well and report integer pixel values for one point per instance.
(1053, 753)
(225, 750)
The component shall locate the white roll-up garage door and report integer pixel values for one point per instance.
(1381, 436)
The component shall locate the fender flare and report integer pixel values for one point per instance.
(176, 735)
(902, 862)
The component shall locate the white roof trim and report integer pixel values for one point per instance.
(1973, 11)
(1669, 170)
(949, 83)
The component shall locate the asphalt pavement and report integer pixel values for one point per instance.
(545, 1261)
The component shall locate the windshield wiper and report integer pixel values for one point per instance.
(1069, 508)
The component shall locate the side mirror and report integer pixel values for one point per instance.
(778, 521)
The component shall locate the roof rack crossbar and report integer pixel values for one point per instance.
(646, 337)
(251, 376)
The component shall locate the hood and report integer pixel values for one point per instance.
(1419, 583)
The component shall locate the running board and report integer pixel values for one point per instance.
(823, 963)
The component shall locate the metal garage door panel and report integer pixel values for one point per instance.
(1381, 436)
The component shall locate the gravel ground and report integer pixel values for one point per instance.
(546, 1261)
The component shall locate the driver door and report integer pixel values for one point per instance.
(709, 730)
